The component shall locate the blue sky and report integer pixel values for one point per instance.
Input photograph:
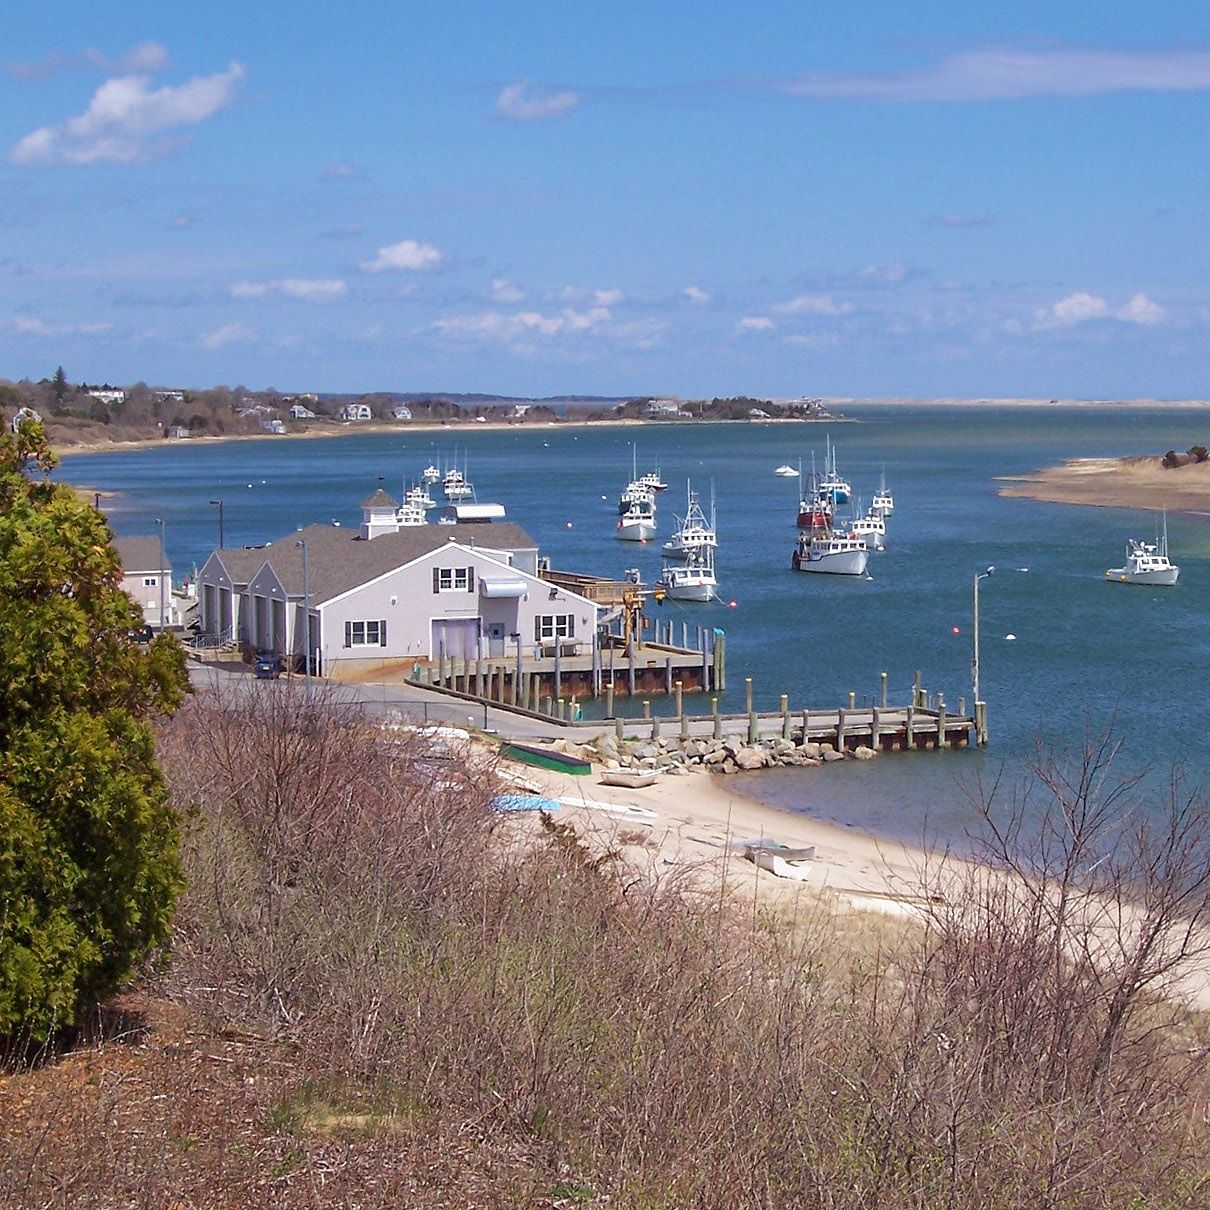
(541, 198)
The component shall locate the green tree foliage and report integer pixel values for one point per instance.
(60, 385)
(88, 842)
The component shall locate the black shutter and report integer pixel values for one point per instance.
(436, 579)
(571, 625)
(537, 628)
(382, 633)
(470, 579)
(348, 634)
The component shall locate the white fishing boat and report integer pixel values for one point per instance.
(653, 481)
(1147, 563)
(455, 485)
(419, 497)
(871, 529)
(883, 503)
(695, 533)
(636, 521)
(692, 581)
(786, 472)
(410, 514)
(830, 553)
(430, 475)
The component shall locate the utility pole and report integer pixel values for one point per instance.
(220, 522)
(302, 542)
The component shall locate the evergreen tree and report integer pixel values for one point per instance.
(59, 383)
(88, 841)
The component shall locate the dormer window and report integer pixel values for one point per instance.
(453, 579)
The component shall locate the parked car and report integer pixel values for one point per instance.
(269, 667)
(144, 634)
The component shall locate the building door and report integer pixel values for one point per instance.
(495, 640)
(457, 637)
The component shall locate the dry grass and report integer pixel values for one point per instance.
(384, 994)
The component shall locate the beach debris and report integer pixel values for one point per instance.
(623, 810)
(780, 860)
(523, 802)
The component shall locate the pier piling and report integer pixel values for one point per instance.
(876, 728)
(882, 677)
(840, 725)
(942, 742)
(609, 699)
(718, 722)
(785, 716)
(747, 695)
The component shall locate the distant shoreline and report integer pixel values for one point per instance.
(351, 428)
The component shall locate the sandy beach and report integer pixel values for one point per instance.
(1130, 482)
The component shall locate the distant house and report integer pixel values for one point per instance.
(179, 432)
(107, 395)
(663, 408)
(25, 414)
(391, 593)
(299, 412)
(757, 414)
(170, 396)
(519, 410)
(356, 411)
(147, 576)
(276, 427)
(402, 412)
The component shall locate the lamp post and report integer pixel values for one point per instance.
(302, 543)
(980, 709)
(160, 522)
(219, 503)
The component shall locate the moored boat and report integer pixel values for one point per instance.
(636, 521)
(883, 503)
(696, 532)
(430, 475)
(830, 553)
(692, 581)
(1147, 563)
(871, 529)
(786, 472)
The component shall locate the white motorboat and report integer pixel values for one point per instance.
(786, 472)
(455, 486)
(636, 492)
(883, 503)
(636, 521)
(411, 514)
(419, 497)
(1147, 563)
(832, 487)
(653, 481)
(830, 553)
(696, 532)
(692, 581)
(430, 475)
(871, 529)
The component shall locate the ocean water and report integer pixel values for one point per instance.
(1085, 651)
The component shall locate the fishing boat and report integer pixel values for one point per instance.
(883, 503)
(786, 472)
(410, 514)
(455, 486)
(692, 581)
(430, 475)
(652, 480)
(1147, 563)
(814, 507)
(871, 529)
(419, 497)
(830, 553)
(832, 487)
(695, 533)
(636, 520)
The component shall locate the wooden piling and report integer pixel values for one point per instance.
(646, 708)
(441, 665)
(785, 716)
(558, 668)
(876, 728)
(942, 742)
(917, 690)
(618, 729)
(882, 677)
(981, 723)
(609, 699)
(655, 727)
(910, 727)
(596, 667)
(680, 709)
(720, 662)
(718, 722)
(747, 695)
(840, 725)
(500, 682)
(852, 699)
(806, 726)
(668, 676)
(753, 727)
(630, 656)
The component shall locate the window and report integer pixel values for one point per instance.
(548, 626)
(150, 581)
(365, 634)
(453, 579)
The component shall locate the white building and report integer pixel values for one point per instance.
(275, 426)
(299, 412)
(24, 414)
(356, 411)
(402, 412)
(107, 395)
(391, 594)
(147, 576)
(663, 408)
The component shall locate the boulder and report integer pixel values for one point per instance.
(716, 757)
(812, 750)
(864, 753)
(830, 754)
(751, 758)
(647, 751)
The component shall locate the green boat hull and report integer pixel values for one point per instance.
(546, 758)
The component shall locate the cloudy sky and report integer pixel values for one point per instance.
(537, 198)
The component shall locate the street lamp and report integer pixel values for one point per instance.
(220, 521)
(980, 710)
(302, 543)
(160, 522)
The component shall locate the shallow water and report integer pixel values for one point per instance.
(1084, 648)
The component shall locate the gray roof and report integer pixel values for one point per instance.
(340, 559)
(141, 553)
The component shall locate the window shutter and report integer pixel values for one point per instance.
(571, 625)
(537, 628)
(470, 579)
(348, 634)
(436, 579)
(382, 633)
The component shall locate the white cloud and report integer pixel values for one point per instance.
(340, 172)
(522, 103)
(303, 288)
(408, 255)
(29, 325)
(607, 298)
(695, 294)
(147, 57)
(510, 327)
(1007, 74)
(228, 334)
(894, 274)
(814, 304)
(1141, 310)
(502, 290)
(129, 122)
(755, 323)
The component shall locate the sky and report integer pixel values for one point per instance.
(531, 199)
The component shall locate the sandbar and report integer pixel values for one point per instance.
(1137, 482)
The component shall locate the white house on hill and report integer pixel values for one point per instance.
(391, 593)
(356, 411)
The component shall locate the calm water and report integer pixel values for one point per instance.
(1083, 648)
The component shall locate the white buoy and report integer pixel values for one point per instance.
(1010, 638)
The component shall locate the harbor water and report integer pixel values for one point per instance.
(1083, 652)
